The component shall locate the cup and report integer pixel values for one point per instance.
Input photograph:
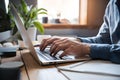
(10, 70)
(41, 37)
(57, 20)
(44, 19)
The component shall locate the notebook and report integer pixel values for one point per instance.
(43, 58)
(96, 67)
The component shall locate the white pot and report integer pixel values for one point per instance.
(32, 31)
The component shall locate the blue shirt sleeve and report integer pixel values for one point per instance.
(106, 51)
(106, 45)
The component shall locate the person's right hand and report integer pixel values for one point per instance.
(46, 42)
(49, 41)
(69, 47)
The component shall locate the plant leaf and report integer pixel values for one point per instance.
(24, 6)
(42, 9)
(42, 13)
(39, 26)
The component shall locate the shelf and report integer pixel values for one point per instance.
(64, 26)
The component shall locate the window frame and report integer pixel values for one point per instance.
(81, 23)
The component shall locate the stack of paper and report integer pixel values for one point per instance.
(94, 67)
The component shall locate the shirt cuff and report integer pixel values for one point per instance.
(100, 51)
(86, 40)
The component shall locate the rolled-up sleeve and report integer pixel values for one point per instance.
(106, 52)
(101, 46)
(103, 35)
(103, 51)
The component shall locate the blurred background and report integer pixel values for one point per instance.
(68, 17)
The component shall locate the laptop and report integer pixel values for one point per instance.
(43, 58)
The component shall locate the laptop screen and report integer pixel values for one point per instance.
(23, 32)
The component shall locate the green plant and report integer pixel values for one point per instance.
(29, 15)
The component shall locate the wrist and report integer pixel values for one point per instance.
(86, 48)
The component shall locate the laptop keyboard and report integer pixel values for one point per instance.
(46, 54)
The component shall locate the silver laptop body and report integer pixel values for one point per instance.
(36, 53)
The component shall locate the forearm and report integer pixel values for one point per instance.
(106, 52)
(96, 39)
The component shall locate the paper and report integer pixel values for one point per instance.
(95, 67)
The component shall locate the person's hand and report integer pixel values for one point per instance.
(49, 41)
(76, 49)
(69, 47)
(46, 42)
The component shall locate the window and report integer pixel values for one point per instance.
(70, 11)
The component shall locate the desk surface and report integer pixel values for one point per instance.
(33, 71)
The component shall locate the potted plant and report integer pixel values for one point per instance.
(29, 15)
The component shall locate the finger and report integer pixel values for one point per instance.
(65, 52)
(43, 41)
(54, 45)
(56, 50)
(55, 42)
(47, 42)
(52, 48)
(57, 45)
